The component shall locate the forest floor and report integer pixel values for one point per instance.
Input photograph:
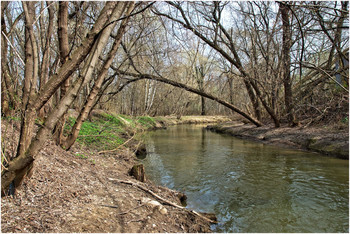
(77, 191)
(328, 140)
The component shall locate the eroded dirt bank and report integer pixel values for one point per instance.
(76, 191)
(330, 142)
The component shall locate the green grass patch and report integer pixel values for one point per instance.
(113, 119)
(146, 121)
(102, 133)
(105, 131)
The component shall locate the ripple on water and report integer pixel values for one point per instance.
(250, 186)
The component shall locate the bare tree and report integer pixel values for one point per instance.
(90, 48)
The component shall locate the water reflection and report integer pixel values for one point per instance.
(251, 187)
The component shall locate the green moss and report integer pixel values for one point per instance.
(13, 118)
(69, 124)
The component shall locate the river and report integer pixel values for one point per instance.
(251, 187)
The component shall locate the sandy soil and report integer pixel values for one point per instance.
(332, 142)
(73, 192)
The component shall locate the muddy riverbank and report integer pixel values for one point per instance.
(334, 143)
(78, 191)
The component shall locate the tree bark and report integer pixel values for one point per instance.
(31, 71)
(287, 81)
(44, 74)
(63, 46)
(7, 92)
(138, 171)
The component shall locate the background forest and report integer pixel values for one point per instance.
(269, 62)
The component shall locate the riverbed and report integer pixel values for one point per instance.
(250, 186)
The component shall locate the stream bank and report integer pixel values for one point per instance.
(334, 143)
(76, 190)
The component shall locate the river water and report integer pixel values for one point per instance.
(251, 187)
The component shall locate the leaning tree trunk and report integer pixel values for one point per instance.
(89, 103)
(188, 88)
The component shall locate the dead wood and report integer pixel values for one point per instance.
(160, 198)
(138, 171)
(108, 151)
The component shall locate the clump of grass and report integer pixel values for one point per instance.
(80, 155)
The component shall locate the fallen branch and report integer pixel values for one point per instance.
(108, 151)
(109, 206)
(160, 198)
(92, 136)
(137, 146)
(128, 211)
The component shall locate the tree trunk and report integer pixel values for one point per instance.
(6, 93)
(287, 82)
(28, 119)
(23, 162)
(188, 88)
(138, 171)
(203, 106)
(63, 45)
(44, 74)
(89, 103)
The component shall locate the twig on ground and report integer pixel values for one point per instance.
(135, 220)
(108, 151)
(134, 208)
(110, 206)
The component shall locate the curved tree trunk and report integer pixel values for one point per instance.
(190, 89)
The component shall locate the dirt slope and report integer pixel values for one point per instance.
(331, 142)
(72, 192)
